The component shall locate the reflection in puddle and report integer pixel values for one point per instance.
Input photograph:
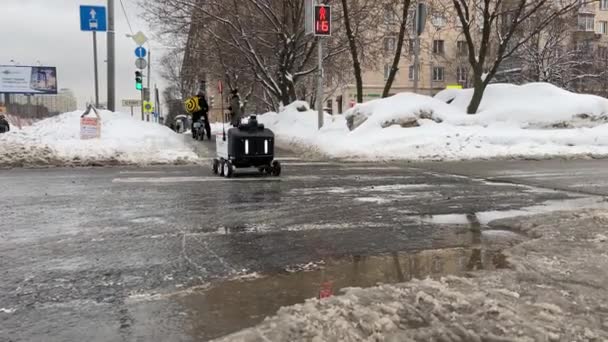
(233, 305)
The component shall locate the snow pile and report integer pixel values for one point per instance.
(405, 110)
(124, 140)
(534, 105)
(531, 121)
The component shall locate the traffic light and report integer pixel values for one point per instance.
(211, 101)
(138, 80)
(322, 20)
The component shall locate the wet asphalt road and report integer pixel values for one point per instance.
(160, 253)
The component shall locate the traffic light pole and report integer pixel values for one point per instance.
(142, 104)
(320, 83)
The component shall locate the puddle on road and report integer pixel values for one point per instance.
(237, 304)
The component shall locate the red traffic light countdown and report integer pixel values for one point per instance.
(322, 20)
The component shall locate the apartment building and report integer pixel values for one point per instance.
(443, 60)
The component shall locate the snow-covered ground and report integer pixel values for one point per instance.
(124, 140)
(537, 120)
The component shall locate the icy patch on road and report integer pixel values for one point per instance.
(485, 217)
(376, 200)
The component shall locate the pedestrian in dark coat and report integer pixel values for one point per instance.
(235, 108)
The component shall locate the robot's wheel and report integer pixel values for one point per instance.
(216, 166)
(275, 169)
(228, 169)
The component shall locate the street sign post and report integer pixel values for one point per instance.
(140, 52)
(148, 108)
(141, 63)
(131, 103)
(139, 38)
(93, 19)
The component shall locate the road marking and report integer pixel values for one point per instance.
(162, 180)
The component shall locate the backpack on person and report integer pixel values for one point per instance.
(192, 104)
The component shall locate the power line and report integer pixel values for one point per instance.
(126, 16)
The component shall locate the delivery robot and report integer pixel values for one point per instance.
(248, 145)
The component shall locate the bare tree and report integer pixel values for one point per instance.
(403, 27)
(263, 41)
(494, 31)
(352, 44)
(552, 56)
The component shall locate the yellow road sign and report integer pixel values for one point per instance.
(148, 107)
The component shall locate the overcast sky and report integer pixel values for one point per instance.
(49, 31)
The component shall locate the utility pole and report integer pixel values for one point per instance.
(95, 68)
(149, 60)
(416, 47)
(111, 58)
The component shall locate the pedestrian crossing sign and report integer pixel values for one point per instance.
(148, 107)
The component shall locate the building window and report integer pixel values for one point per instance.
(390, 16)
(462, 48)
(461, 74)
(410, 74)
(603, 27)
(584, 48)
(411, 44)
(389, 44)
(438, 20)
(387, 71)
(330, 106)
(438, 47)
(585, 22)
(438, 74)
(602, 52)
(411, 20)
(604, 5)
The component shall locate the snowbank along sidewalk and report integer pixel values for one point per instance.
(124, 140)
(537, 120)
(555, 290)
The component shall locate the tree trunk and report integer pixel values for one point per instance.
(398, 51)
(353, 52)
(479, 89)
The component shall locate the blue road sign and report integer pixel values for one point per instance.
(93, 18)
(140, 52)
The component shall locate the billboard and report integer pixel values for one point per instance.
(28, 79)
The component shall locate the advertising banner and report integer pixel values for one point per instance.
(28, 79)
